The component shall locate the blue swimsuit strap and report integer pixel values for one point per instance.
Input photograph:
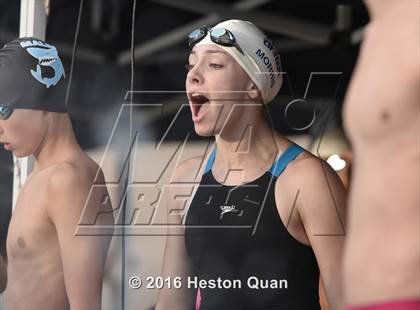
(277, 168)
(290, 154)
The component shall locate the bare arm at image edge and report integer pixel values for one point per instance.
(83, 257)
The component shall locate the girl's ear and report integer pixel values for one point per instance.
(253, 91)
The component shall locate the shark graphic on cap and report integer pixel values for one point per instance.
(47, 56)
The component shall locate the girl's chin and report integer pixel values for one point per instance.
(204, 131)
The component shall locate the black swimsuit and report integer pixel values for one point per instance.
(236, 233)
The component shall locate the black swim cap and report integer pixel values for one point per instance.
(32, 76)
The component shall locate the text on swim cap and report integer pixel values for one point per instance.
(269, 66)
(270, 45)
(33, 43)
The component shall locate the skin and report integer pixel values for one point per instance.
(382, 116)
(213, 72)
(41, 244)
(3, 274)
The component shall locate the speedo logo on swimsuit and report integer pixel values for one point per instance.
(228, 209)
(47, 56)
(269, 66)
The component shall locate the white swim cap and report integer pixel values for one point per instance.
(261, 60)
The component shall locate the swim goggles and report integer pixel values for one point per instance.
(5, 112)
(218, 35)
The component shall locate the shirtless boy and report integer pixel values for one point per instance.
(382, 117)
(48, 265)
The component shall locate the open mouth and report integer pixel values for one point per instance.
(197, 101)
(45, 61)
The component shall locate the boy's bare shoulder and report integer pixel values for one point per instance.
(76, 173)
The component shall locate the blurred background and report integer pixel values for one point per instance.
(319, 43)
